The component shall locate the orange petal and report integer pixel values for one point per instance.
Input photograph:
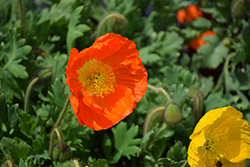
(134, 77)
(198, 42)
(181, 16)
(193, 12)
(113, 49)
(74, 101)
(114, 110)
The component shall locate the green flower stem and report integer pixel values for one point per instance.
(63, 111)
(55, 131)
(59, 137)
(159, 110)
(158, 90)
(22, 19)
(226, 72)
(28, 91)
(56, 128)
(186, 162)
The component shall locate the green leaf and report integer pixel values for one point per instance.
(56, 62)
(58, 95)
(163, 133)
(178, 75)
(56, 12)
(14, 149)
(21, 163)
(218, 99)
(149, 58)
(169, 163)
(171, 45)
(206, 85)
(246, 40)
(107, 146)
(124, 141)
(3, 108)
(177, 152)
(15, 56)
(75, 31)
(200, 23)
(213, 53)
(97, 163)
(13, 115)
(27, 124)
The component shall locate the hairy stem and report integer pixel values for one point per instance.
(28, 91)
(160, 90)
(63, 111)
(152, 114)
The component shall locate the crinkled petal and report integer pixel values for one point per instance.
(213, 115)
(114, 108)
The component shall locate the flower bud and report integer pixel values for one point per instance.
(112, 22)
(172, 114)
(44, 75)
(196, 94)
(240, 8)
(59, 155)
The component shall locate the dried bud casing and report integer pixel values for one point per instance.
(9, 163)
(172, 114)
(75, 163)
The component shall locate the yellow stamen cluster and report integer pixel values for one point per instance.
(97, 77)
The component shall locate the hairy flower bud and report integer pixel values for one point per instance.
(172, 114)
(197, 96)
(240, 8)
(112, 22)
(61, 155)
(44, 75)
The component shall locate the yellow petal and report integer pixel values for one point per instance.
(227, 163)
(213, 115)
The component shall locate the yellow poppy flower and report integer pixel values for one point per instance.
(220, 139)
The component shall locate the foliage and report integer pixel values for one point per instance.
(39, 34)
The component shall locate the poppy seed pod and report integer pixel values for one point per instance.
(61, 155)
(172, 114)
(240, 8)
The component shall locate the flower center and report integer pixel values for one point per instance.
(97, 77)
(208, 144)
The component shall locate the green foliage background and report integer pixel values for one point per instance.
(38, 34)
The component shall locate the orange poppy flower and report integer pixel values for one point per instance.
(107, 80)
(190, 13)
(197, 42)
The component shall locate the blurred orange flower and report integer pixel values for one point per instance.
(197, 42)
(190, 13)
(107, 80)
(221, 138)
